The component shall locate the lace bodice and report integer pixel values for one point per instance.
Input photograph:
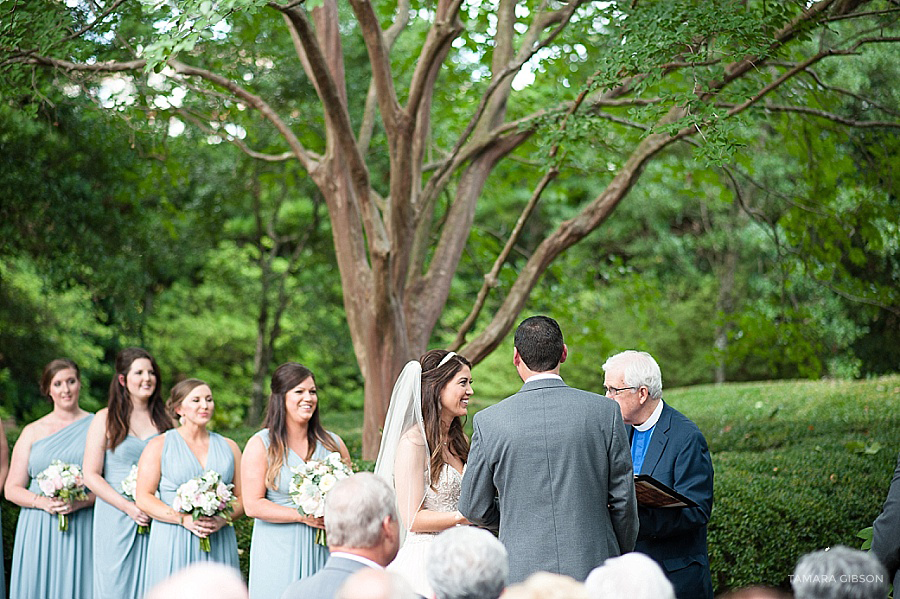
(443, 498)
(446, 496)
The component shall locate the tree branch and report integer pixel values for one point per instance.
(567, 234)
(819, 113)
(233, 140)
(439, 179)
(850, 93)
(184, 69)
(367, 126)
(340, 132)
(380, 61)
(800, 67)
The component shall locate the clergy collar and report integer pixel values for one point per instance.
(650, 422)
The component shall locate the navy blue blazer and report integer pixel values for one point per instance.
(325, 583)
(678, 456)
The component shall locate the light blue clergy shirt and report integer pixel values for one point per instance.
(640, 440)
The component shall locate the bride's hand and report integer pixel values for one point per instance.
(461, 520)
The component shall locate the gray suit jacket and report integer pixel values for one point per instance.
(325, 583)
(560, 461)
(886, 532)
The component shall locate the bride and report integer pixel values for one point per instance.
(423, 453)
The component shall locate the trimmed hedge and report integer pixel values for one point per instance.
(799, 466)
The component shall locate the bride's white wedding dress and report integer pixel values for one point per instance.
(404, 462)
(410, 561)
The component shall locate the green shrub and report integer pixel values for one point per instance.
(799, 466)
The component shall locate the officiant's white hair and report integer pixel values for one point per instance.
(840, 573)
(467, 563)
(355, 508)
(629, 576)
(639, 369)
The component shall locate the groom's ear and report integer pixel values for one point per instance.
(565, 353)
(516, 357)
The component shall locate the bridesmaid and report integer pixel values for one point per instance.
(283, 548)
(46, 561)
(115, 440)
(169, 461)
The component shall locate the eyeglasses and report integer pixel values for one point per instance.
(610, 391)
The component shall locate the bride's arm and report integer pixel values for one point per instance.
(409, 480)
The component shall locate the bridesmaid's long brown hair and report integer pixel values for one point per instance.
(120, 401)
(286, 377)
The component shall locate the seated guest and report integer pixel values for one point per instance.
(370, 583)
(839, 573)
(198, 580)
(363, 532)
(545, 585)
(467, 563)
(629, 576)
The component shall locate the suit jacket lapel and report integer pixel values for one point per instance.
(658, 440)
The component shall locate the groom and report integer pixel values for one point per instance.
(560, 461)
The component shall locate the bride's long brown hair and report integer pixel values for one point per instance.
(434, 379)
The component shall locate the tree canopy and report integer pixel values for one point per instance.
(402, 117)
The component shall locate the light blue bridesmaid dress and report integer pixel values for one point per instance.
(119, 551)
(283, 553)
(48, 562)
(172, 546)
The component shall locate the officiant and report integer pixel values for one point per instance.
(668, 446)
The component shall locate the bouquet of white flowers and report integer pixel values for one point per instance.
(63, 481)
(311, 483)
(205, 495)
(129, 486)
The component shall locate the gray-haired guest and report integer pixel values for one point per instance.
(369, 583)
(839, 573)
(630, 576)
(363, 532)
(467, 563)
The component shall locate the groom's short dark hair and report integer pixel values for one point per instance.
(540, 343)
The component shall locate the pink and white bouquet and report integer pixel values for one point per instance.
(63, 481)
(311, 483)
(205, 495)
(129, 487)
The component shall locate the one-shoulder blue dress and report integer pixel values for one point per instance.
(282, 553)
(172, 546)
(46, 561)
(120, 553)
